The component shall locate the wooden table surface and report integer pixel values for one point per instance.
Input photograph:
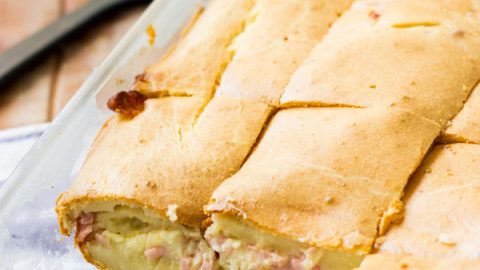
(39, 94)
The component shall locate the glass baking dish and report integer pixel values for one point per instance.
(29, 237)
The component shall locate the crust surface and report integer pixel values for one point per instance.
(166, 157)
(325, 176)
(275, 44)
(183, 145)
(422, 61)
(192, 67)
(442, 216)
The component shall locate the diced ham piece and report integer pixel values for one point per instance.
(278, 262)
(185, 264)
(221, 239)
(84, 231)
(297, 263)
(155, 253)
(85, 226)
(206, 265)
(87, 219)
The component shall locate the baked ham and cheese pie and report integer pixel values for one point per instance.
(403, 262)
(441, 217)
(137, 203)
(281, 135)
(317, 187)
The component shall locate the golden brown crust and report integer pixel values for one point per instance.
(330, 177)
(327, 175)
(399, 262)
(179, 149)
(400, 60)
(174, 153)
(441, 217)
(192, 67)
(275, 44)
(167, 156)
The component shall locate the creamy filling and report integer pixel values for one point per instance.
(130, 238)
(242, 246)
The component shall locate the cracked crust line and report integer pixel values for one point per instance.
(452, 139)
(318, 104)
(442, 138)
(467, 99)
(248, 22)
(274, 109)
(141, 81)
(447, 138)
(382, 216)
(260, 136)
(299, 105)
(382, 227)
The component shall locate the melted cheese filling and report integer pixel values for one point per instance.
(130, 238)
(243, 247)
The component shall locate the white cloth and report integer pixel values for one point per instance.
(14, 144)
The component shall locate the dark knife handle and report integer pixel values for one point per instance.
(17, 59)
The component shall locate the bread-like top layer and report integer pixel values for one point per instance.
(465, 127)
(168, 155)
(399, 262)
(395, 54)
(326, 176)
(274, 44)
(193, 66)
(175, 145)
(267, 40)
(442, 216)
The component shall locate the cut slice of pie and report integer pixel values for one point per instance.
(137, 201)
(317, 188)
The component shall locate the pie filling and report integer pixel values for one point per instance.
(241, 246)
(125, 238)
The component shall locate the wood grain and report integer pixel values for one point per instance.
(42, 92)
(83, 54)
(26, 101)
(18, 22)
(71, 5)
